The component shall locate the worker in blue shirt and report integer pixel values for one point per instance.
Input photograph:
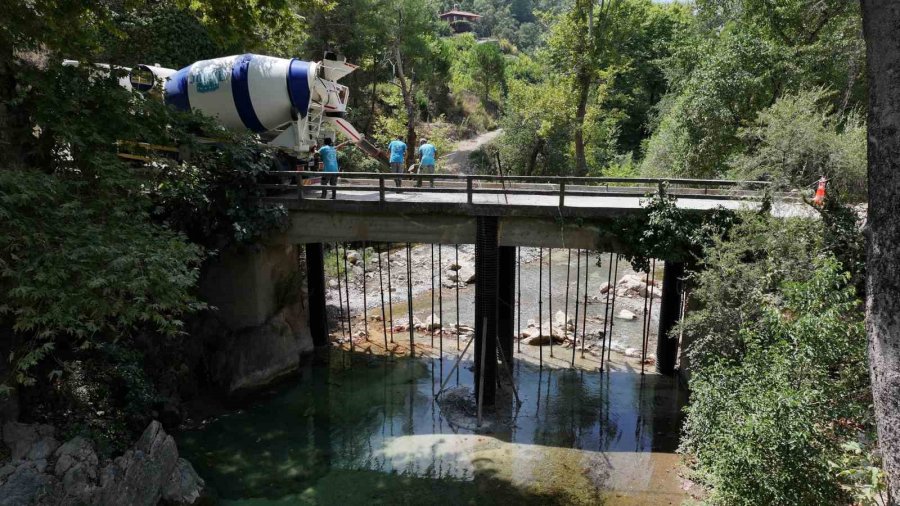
(328, 157)
(426, 159)
(397, 148)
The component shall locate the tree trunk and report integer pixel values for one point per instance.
(374, 94)
(532, 159)
(881, 24)
(407, 92)
(584, 89)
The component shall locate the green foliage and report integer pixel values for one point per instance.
(860, 474)
(734, 79)
(779, 378)
(488, 67)
(739, 59)
(795, 141)
(80, 259)
(214, 196)
(663, 230)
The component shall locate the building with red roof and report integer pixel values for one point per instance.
(460, 21)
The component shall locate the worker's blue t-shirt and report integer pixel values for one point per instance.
(397, 149)
(427, 151)
(329, 158)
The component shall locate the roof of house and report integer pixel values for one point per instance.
(456, 12)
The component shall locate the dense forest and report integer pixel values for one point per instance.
(99, 265)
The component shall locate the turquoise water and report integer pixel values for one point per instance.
(365, 430)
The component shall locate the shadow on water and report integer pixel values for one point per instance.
(369, 433)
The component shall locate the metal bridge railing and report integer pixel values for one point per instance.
(287, 182)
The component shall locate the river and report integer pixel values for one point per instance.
(364, 429)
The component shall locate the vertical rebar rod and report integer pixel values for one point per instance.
(610, 288)
(612, 312)
(541, 308)
(347, 296)
(481, 376)
(384, 330)
(409, 306)
(365, 299)
(519, 299)
(431, 324)
(566, 310)
(337, 266)
(550, 295)
(577, 293)
(644, 322)
(440, 304)
(650, 310)
(457, 297)
(584, 308)
(390, 295)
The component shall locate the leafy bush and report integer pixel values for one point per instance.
(780, 379)
(796, 140)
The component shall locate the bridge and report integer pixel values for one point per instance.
(496, 214)
(537, 211)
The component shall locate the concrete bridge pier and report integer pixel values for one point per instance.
(669, 315)
(315, 282)
(506, 309)
(487, 282)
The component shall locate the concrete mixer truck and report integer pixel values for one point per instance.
(290, 103)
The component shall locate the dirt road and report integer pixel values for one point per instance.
(457, 162)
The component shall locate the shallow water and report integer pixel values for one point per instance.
(365, 430)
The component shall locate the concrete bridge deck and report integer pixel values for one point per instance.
(541, 212)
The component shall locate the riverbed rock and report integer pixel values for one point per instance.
(626, 315)
(333, 284)
(467, 275)
(259, 356)
(433, 322)
(353, 257)
(147, 474)
(562, 319)
(24, 486)
(604, 287)
(454, 267)
(29, 441)
(631, 285)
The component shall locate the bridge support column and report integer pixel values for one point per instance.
(669, 314)
(315, 283)
(506, 310)
(487, 277)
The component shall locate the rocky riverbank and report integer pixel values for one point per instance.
(42, 471)
(444, 317)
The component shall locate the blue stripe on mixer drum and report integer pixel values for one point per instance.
(240, 92)
(177, 90)
(298, 86)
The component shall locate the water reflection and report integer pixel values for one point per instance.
(369, 433)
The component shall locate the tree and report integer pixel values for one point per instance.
(416, 55)
(488, 65)
(880, 21)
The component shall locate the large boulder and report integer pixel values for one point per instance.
(257, 357)
(24, 486)
(27, 441)
(147, 474)
(631, 285)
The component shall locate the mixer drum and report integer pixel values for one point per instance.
(244, 91)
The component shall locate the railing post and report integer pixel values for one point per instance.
(562, 193)
(469, 189)
(381, 188)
